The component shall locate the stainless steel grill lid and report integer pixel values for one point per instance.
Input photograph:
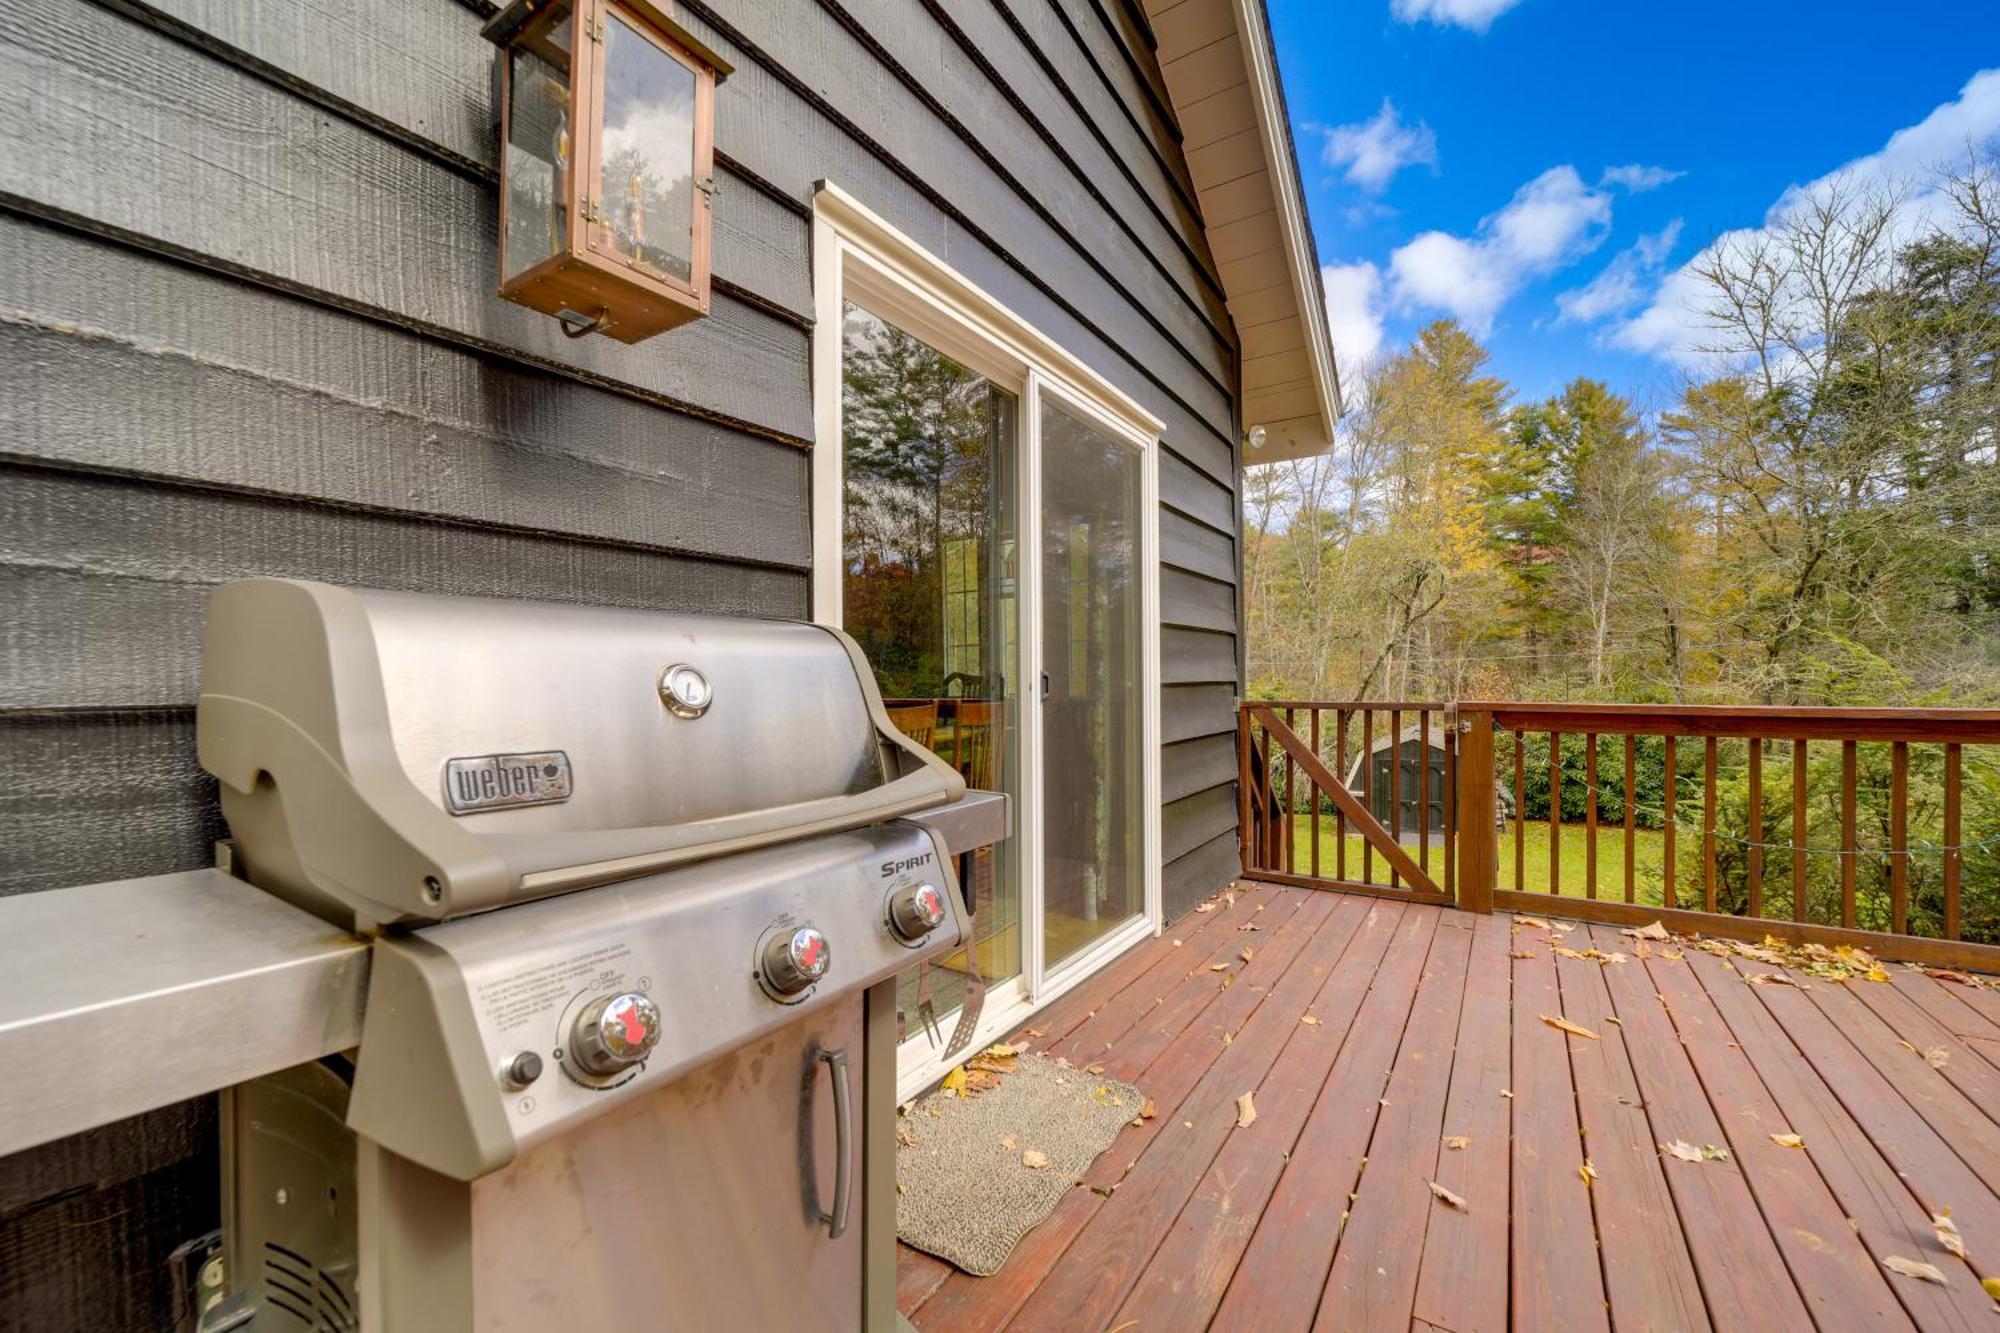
(397, 757)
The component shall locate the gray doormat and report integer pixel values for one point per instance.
(974, 1174)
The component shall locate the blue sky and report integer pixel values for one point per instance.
(1542, 168)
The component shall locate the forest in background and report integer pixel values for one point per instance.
(1814, 518)
(1815, 521)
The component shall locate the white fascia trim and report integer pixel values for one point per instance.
(1260, 63)
(876, 241)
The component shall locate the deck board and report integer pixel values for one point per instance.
(1320, 1213)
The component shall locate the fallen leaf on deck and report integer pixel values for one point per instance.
(1246, 1110)
(1789, 1140)
(1613, 1018)
(978, 1078)
(1146, 1111)
(1565, 1025)
(1449, 1198)
(1011, 1142)
(1588, 1172)
(1947, 974)
(1672, 955)
(1991, 1286)
(1093, 1069)
(1564, 926)
(1204, 907)
(1879, 973)
(1228, 1037)
(1177, 944)
(1937, 1057)
(1896, 1263)
(1948, 1233)
(1247, 925)
(954, 1082)
(1688, 1152)
(1773, 979)
(1309, 1018)
(1457, 1141)
(1507, 1093)
(1245, 955)
(1034, 1160)
(1218, 967)
(1531, 921)
(1641, 949)
(1655, 930)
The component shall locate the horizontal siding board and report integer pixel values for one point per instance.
(427, 77)
(1196, 657)
(1199, 874)
(1104, 151)
(88, 1223)
(106, 581)
(112, 359)
(1188, 545)
(101, 796)
(1189, 822)
(196, 157)
(1188, 711)
(1124, 61)
(990, 234)
(1144, 262)
(1187, 767)
(1193, 602)
(1196, 494)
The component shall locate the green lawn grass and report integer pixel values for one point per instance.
(1647, 859)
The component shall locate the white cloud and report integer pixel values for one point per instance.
(1671, 326)
(1639, 179)
(1623, 283)
(1353, 311)
(1478, 15)
(1551, 221)
(1374, 150)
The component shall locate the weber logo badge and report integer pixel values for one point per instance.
(503, 781)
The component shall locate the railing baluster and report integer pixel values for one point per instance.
(1555, 812)
(1291, 806)
(1708, 832)
(1340, 772)
(1953, 856)
(1450, 830)
(1669, 844)
(1244, 833)
(1315, 794)
(1424, 789)
(1520, 815)
(1395, 785)
(1850, 845)
(1590, 815)
(1799, 903)
(1367, 789)
(1899, 838)
(1631, 813)
(1756, 831)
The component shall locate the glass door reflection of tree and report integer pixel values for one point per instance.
(929, 590)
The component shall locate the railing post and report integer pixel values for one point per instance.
(1478, 841)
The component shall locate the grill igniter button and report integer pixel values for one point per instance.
(794, 960)
(915, 911)
(615, 1032)
(521, 1070)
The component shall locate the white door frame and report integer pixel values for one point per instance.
(860, 257)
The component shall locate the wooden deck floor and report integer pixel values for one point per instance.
(1376, 1034)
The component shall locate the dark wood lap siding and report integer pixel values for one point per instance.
(247, 327)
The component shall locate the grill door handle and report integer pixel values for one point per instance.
(843, 1134)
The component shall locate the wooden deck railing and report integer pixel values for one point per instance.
(1837, 825)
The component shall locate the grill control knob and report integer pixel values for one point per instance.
(794, 960)
(915, 911)
(615, 1032)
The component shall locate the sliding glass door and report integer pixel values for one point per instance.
(930, 592)
(1092, 683)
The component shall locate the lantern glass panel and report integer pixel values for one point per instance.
(646, 177)
(540, 143)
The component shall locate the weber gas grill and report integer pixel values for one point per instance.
(639, 885)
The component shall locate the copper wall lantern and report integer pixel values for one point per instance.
(607, 163)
